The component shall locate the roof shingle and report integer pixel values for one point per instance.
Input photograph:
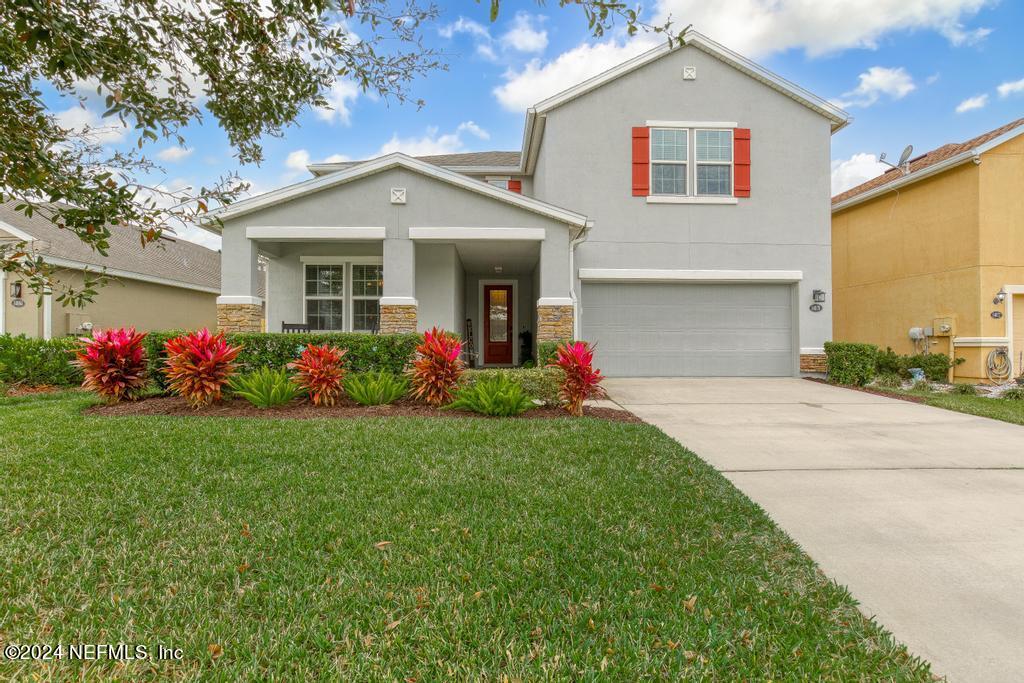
(169, 258)
(928, 159)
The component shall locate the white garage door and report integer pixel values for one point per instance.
(690, 330)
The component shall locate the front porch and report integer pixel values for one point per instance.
(486, 284)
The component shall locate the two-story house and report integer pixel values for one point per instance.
(673, 210)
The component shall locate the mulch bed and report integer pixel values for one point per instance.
(176, 406)
(871, 390)
(24, 390)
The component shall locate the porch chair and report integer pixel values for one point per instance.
(294, 327)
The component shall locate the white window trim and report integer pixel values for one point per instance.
(691, 196)
(496, 178)
(651, 161)
(347, 297)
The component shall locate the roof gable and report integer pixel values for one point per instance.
(384, 163)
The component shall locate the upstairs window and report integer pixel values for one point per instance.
(714, 162)
(669, 154)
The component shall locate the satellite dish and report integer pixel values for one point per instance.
(906, 154)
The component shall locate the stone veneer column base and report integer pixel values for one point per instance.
(239, 318)
(554, 323)
(397, 318)
(813, 362)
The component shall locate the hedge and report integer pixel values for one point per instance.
(388, 352)
(546, 351)
(935, 365)
(36, 362)
(851, 363)
(539, 383)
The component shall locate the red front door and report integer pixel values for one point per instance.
(498, 324)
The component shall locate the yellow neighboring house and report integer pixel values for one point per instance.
(166, 285)
(938, 245)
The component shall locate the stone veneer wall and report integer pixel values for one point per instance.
(397, 318)
(554, 323)
(812, 362)
(239, 318)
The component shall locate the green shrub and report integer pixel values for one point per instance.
(540, 383)
(376, 388)
(546, 351)
(265, 388)
(922, 386)
(1014, 394)
(891, 363)
(965, 390)
(497, 396)
(888, 380)
(851, 363)
(388, 352)
(935, 365)
(35, 362)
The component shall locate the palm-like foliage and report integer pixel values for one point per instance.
(437, 368)
(265, 388)
(497, 396)
(376, 388)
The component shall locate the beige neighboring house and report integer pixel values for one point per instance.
(168, 284)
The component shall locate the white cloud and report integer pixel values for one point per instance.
(934, 78)
(473, 128)
(192, 233)
(297, 160)
(539, 80)
(757, 28)
(87, 122)
(464, 25)
(340, 98)
(847, 173)
(174, 154)
(1011, 88)
(336, 158)
(433, 142)
(976, 102)
(525, 36)
(895, 83)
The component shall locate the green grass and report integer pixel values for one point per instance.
(533, 549)
(1007, 410)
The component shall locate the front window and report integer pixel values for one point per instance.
(670, 168)
(669, 153)
(342, 297)
(714, 162)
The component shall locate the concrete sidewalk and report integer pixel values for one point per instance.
(918, 510)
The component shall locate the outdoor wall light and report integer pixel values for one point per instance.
(1000, 297)
(818, 296)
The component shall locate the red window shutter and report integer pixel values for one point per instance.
(641, 161)
(741, 161)
(516, 186)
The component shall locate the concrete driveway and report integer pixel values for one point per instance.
(918, 510)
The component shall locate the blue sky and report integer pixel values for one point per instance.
(921, 72)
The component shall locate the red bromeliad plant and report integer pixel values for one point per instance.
(320, 372)
(114, 363)
(436, 371)
(199, 365)
(582, 381)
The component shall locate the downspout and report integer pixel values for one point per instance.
(580, 238)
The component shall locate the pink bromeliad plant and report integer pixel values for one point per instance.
(114, 363)
(319, 372)
(199, 365)
(582, 381)
(436, 371)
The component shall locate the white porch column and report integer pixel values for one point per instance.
(239, 307)
(555, 305)
(398, 306)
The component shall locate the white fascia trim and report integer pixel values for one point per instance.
(337, 260)
(554, 301)
(397, 160)
(981, 341)
(812, 350)
(837, 116)
(486, 170)
(506, 234)
(692, 124)
(656, 275)
(126, 274)
(927, 172)
(283, 233)
(16, 232)
(673, 199)
(253, 300)
(398, 301)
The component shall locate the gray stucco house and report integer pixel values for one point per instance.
(673, 210)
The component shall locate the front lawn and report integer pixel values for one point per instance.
(404, 548)
(1007, 410)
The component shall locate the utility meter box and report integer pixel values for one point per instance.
(943, 327)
